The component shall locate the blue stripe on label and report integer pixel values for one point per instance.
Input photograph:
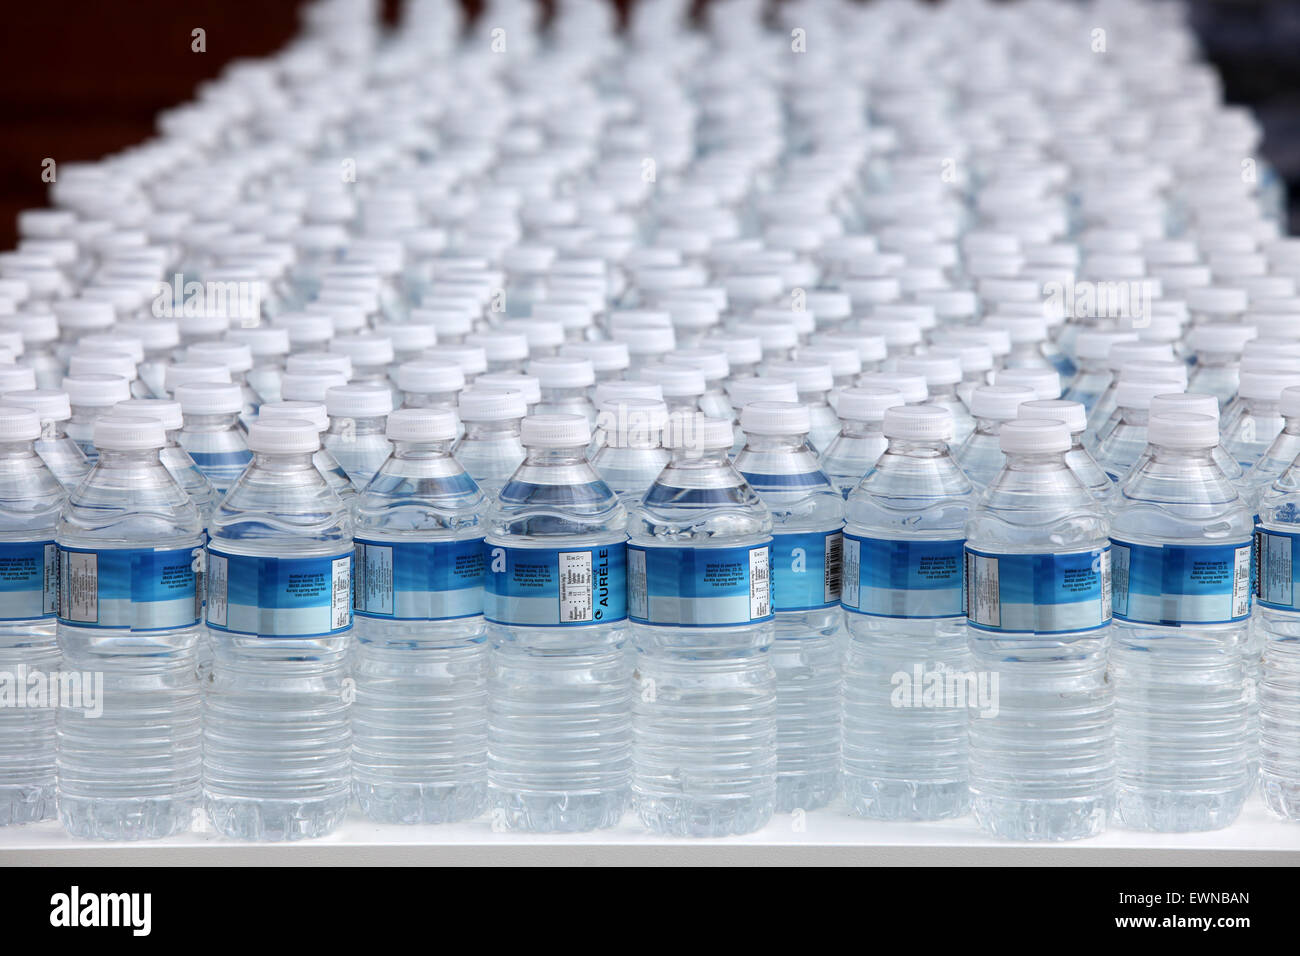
(139, 589)
(418, 581)
(686, 497)
(555, 587)
(807, 479)
(1176, 585)
(806, 570)
(279, 597)
(222, 459)
(903, 578)
(1037, 593)
(29, 580)
(593, 492)
(700, 587)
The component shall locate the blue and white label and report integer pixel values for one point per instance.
(1277, 562)
(279, 597)
(556, 587)
(700, 587)
(29, 580)
(1038, 593)
(1176, 585)
(916, 578)
(806, 570)
(418, 581)
(136, 588)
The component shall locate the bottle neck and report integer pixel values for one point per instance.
(422, 450)
(791, 444)
(851, 428)
(16, 450)
(209, 423)
(556, 457)
(492, 431)
(284, 462)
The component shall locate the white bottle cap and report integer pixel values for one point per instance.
(922, 316)
(1154, 371)
(1095, 344)
(1265, 325)
(423, 424)
(676, 381)
(491, 405)
(1266, 386)
(233, 355)
(969, 357)
(762, 287)
(358, 401)
(537, 333)
(164, 410)
(607, 391)
(1230, 338)
(866, 292)
(867, 403)
(559, 371)
(628, 421)
(262, 342)
(499, 346)
(841, 361)
(870, 348)
(807, 376)
(84, 314)
(472, 359)
(101, 363)
(1290, 401)
(103, 342)
(750, 388)
(209, 398)
(50, 404)
(335, 362)
(182, 373)
(447, 322)
(1000, 402)
(917, 423)
(997, 340)
(828, 306)
(1028, 436)
(1073, 414)
(775, 418)
(1189, 402)
(1183, 430)
(206, 323)
(36, 328)
(18, 423)
(527, 385)
(739, 349)
(1138, 394)
(913, 387)
(429, 375)
(288, 436)
(1269, 353)
(308, 386)
(1045, 382)
(897, 333)
(1022, 329)
(313, 412)
(950, 303)
(696, 432)
(802, 321)
(555, 431)
(1216, 300)
(645, 339)
(114, 432)
(935, 369)
(92, 391)
(156, 335)
(603, 356)
(364, 349)
(1122, 353)
(15, 378)
(569, 315)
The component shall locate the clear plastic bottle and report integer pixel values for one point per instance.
(175, 459)
(609, 359)
(1196, 404)
(276, 737)
(491, 448)
(62, 456)
(356, 434)
(31, 498)
(699, 597)
(681, 385)
(160, 338)
(40, 332)
(1044, 382)
(269, 347)
(1093, 374)
(1124, 439)
(716, 368)
(211, 432)
(236, 358)
(742, 391)
(559, 688)
(130, 543)
(813, 382)
(1181, 550)
(1252, 422)
(326, 463)
(632, 454)
(807, 521)
(565, 384)
(980, 455)
(905, 755)
(90, 397)
(504, 351)
(419, 720)
(1080, 460)
(1120, 355)
(1038, 618)
(429, 383)
(1218, 348)
(854, 451)
(942, 375)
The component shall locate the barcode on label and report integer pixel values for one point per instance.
(341, 595)
(79, 587)
(638, 600)
(575, 587)
(1241, 582)
(760, 584)
(834, 551)
(983, 594)
(216, 580)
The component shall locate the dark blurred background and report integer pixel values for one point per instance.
(81, 78)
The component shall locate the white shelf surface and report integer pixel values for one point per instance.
(821, 837)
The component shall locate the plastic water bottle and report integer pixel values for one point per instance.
(1195, 404)
(1093, 374)
(980, 456)
(491, 448)
(236, 358)
(905, 756)
(716, 368)
(276, 739)
(559, 691)
(632, 454)
(91, 396)
(211, 433)
(609, 359)
(942, 375)
(129, 545)
(1281, 453)
(860, 443)
(813, 382)
(1085, 467)
(699, 597)
(269, 347)
(1038, 617)
(160, 339)
(40, 332)
(356, 434)
(1218, 350)
(807, 520)
(31, 498)
(565, 384)
(429, 383)
(183, 373)
(1255, 419)
(1277, 621)
(175, 459)
(681, 385)
(326, 463)
(1124, 354)
(1123, 441)
(62, 456)
(742, 391)
(1181, 552)
(419, 721)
